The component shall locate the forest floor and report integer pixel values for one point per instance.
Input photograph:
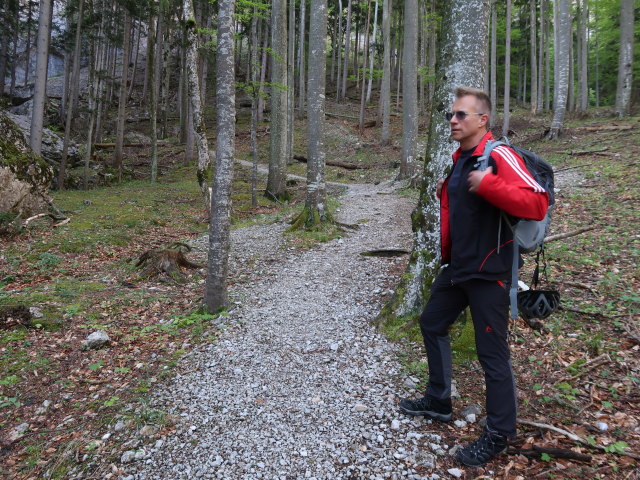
(70, 410)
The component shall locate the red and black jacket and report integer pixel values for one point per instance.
(470, 223)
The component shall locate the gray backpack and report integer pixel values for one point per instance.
(528, 235)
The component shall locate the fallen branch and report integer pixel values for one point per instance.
(575, 438)
(560, 236)
(606, 127)
(587, 152)
(333, 163)
(587, 367)
(63, 222)
(535, 451)
(35, 217)
(571, 167)
(582, 286)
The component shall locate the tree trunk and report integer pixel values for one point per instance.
(40, 88)
(153, 99)
(27, 49)
(534, 58)
(562, 79)
(339, 52)
(122, 102)
(276, 180)
(93, 93)
(363, 94)
(315, 203)
(254, 70)
(290, 78)
(347, 48)
(625, 60)
(385, 93)
(216, 296)
(541, 60)
(372, 52)
(263, 70)
(301, 60)
(409, 91)
(4, 47)
(547, 83)
(138, 31)
(507, 72)
(584, 49)
(494, 62)
(193, 93)
(461, 61)
(73, 88)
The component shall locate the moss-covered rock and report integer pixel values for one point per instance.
(24, 176)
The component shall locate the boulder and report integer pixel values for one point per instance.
(24, 176)
(96, 340)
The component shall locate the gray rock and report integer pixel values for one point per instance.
(96, 340)
(128, 456)
(18, 432)
(36, 312)
(474, 408)
(456, 472)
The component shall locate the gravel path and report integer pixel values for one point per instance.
(300, 385)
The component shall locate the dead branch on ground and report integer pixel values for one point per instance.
(334, 163)
(560, 236)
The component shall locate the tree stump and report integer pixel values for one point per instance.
(168, 261)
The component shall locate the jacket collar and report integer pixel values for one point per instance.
(478, 150)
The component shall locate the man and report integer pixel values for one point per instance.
(477, 258)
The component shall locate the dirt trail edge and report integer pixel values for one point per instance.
(299, 385)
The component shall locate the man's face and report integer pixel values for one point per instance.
(472, 126)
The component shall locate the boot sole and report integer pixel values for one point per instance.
(443, 417)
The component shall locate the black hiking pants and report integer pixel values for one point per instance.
(489, 304)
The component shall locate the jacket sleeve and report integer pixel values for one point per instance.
(512, 188)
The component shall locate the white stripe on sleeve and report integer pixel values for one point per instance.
(512, 161)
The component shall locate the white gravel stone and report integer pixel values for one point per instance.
(456, 472)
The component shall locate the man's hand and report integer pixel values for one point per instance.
(475, 177)
(439, 187)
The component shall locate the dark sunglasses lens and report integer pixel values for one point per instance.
(460, 115)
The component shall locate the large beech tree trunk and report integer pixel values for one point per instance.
(461, 61)
(122, 102)
(216, 296)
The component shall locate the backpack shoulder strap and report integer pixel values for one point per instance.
(483, 162)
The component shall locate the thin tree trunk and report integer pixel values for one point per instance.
(253, 65)
(153, 98)
(138, 31)
(625, 60)
(301, 60)
(363, 93)
(74, 87)
(410, 91)
(597, 86)
(93, 93)
(339, 52)
(122, 103)
(194, 106)
(347, 47)
(494, 49)
(563, 50)
(216, 296)
(385, 94)
(40, 89)
(291, 78)
(263, 71)
(584, 49)
(547, 59)
(541, 60)
(507, 72)
(534, 59)
(4, 47)
(372, 51)
(276, 180)
(27, 49)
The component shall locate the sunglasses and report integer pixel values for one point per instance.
(460, 115)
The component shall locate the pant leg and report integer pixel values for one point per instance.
(445, 303)
(489, 304)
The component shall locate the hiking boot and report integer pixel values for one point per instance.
(483, 449)
(429, 407)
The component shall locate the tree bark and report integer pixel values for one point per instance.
(410, 91)
(494, 47)
(276, 180)
(461, 61)
(363, 93)
(216, 296)
(255, 92)
(199, 129)
(301, 60)
(507, 72)
(385, 93)
(73, 89)
(562, 78)
(339, 52)
(347, 48)
(372, 52)
(534, 58)
(122, 102)
(625, 60)
(315, 203)
(40, 88)
(153, 99)
(583, 17)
